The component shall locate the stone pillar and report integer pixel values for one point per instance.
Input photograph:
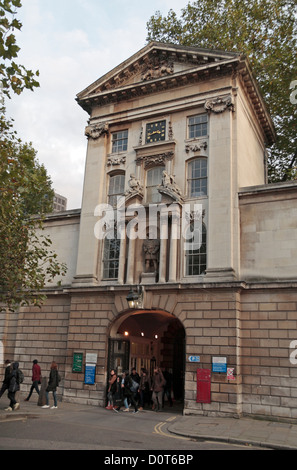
(173, 247)
(131, 261)
(163, 248)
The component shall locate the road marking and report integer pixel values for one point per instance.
(158, 430)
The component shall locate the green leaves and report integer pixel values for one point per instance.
(27, 262)
(12, 76)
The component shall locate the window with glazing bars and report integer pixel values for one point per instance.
(197, 177)
(119, 141)
(197, 126)
(111, 257)
(196, 257)
(116, 188)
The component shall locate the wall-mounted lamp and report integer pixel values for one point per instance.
(135, 299)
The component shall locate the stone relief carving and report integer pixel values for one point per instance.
(197, 147)
(219, 104)
(96, 130)
(116, 160)
(157, 69)
(153, 160)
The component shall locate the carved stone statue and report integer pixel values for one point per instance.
(151, 249)
(135, 187)
(169, 186)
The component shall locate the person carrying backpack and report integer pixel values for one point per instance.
(15, 379)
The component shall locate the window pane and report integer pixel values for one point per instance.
(116, 188)
(154, 179)
(197, 177)
(198, 126)
(119, 141)
(111, 258)
(196, 258)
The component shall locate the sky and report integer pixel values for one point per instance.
(72, 43)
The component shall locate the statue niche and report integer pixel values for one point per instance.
(151, 251)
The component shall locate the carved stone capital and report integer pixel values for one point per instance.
(219, 104)
(96, 130)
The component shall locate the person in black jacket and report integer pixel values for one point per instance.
(15, 379)
(53, 383)
(5, 384)
(127, 393)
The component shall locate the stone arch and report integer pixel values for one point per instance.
(147, 338)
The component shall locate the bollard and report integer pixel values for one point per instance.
(42, 396)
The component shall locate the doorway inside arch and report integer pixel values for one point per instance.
(146, 340)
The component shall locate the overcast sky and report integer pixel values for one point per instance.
(72, 43)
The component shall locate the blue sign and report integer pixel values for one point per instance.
(194, 358)
(90, 370)
(219, 364)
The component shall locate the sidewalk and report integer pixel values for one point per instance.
(247, 431)
(243, 431)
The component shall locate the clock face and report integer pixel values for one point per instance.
(155, 131)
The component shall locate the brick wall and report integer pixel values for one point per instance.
(269, 324)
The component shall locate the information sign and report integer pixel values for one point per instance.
(77, 364)
(219, 364)
(194, 358)
(90, 371)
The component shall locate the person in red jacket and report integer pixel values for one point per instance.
(36, 378)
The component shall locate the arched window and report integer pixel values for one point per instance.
(197, 177)
(111, 257)
(116, 188)
(153, 180)
(196, 257)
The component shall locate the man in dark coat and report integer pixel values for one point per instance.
(7, 373)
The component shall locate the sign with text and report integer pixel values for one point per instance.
(77, 364)
(219, 364)
(90, 372)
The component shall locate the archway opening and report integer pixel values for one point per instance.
(146, 339)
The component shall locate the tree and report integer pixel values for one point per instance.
(13, 76)
(27, 262)
(266, 32)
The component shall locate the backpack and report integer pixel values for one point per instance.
(134, 386)
(20, 376)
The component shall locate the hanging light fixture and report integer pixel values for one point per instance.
(134, 299)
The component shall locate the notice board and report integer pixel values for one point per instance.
(203, 385)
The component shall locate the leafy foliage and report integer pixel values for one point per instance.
(27, 263)
(266, 32)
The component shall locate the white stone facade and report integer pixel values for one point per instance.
(236, 298)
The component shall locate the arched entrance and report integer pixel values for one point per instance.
(149, 338)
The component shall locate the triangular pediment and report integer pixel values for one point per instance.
(154, 62)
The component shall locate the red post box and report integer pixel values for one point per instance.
(203, 385)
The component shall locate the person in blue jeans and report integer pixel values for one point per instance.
(53, 383)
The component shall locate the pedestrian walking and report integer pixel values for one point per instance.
(36, 379)
(7, 372)
(128, 394)
(53, 383)
(135, 384)
(15, 379)
(158, 383)
(144, 389)
(111, 389)
(167, 387)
